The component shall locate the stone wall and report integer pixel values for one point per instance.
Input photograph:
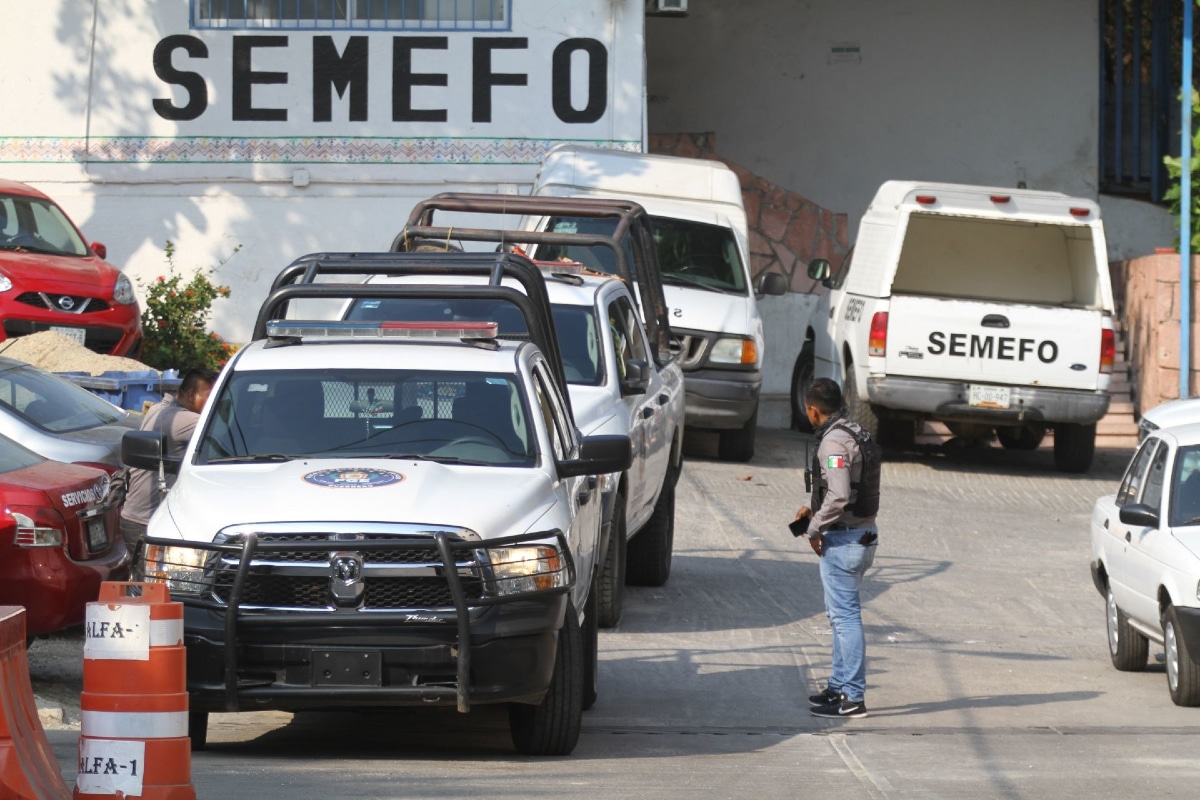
(786, 229)
(1147, 290)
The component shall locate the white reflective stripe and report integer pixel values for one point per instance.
(166, 632)
(134, 724)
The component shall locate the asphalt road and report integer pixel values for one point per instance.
(988, 669)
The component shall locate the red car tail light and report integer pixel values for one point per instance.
(1108, 351)
(37, 527)
(877, 344)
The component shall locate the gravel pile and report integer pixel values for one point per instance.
(54, 352)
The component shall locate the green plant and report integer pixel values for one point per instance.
(1175, 173)
(175, 319)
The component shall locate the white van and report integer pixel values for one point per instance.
(983, 308)
(699, 223)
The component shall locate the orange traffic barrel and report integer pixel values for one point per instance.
(134, 707)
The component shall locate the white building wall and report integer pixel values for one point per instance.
(832, 97)
(83, 127)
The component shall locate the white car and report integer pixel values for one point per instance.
(1146, 559)
(1173, 412)
(393, 514)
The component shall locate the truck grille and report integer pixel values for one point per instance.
(288, 572)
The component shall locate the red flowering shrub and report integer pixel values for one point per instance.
(175, 319)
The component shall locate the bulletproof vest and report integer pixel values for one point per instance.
(866, 489)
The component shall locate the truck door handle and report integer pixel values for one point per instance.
(585, 494)
(647, 412)
(995, 321)
(1105, 524)
(1128, 536)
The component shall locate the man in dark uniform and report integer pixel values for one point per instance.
(842, 531)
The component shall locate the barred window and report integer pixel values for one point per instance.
(352, 14)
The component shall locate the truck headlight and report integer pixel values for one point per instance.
(528, 568)
(180, 568)
(729, 350)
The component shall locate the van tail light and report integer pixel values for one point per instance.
(1108, 351)
(877, 344)
(37, 527)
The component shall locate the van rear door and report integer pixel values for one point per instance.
(994, 343)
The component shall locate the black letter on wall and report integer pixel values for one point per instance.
(597, 100)
(339, 72)
(483, 79)
(403, 79)
(244, 79)
(192, 82)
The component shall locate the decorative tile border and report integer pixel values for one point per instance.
(284, 150)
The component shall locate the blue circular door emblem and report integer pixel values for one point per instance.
(353, 478)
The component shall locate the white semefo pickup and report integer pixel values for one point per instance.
(994, 345)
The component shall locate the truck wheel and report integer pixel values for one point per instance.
(859, 409)
(738, 444)
(1183, 673)
(1074, 446)
(198, 729)
(551, 728)
(802, 378)
(1023, 438)
(610, 588)
(591, 649)
(1127, 648)
(648, 562)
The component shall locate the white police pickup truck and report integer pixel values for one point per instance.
(605, 368)
(389, 513)
(615, 387)
(984, 308)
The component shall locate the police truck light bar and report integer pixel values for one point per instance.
(321, 329)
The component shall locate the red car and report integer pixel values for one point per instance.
(51, 278)
(60, 536)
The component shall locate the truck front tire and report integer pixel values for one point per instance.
(738, 444)
(610, 589)
(648, 562)
(551, 728)
(1074, 447)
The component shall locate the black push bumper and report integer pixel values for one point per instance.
(490, 647)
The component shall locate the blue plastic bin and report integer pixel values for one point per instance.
(129, 390)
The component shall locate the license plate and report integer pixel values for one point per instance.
(989, 396)
(97, 534)
(347, 668)
(78, 334)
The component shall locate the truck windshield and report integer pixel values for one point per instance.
(689, 253)
(578, 338)
(453, 417)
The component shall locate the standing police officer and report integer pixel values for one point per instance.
(842, 531)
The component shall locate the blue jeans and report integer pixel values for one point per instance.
(842, 567)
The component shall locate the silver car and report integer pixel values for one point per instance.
(57, 419)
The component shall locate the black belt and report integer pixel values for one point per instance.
(869, 537)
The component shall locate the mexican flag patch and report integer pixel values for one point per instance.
(835, 462)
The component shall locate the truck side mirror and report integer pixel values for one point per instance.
(145, 449)
(100, 250)
(1139, 514)
(772, 283)
(637, 377)
(819, 269)
(599, 455)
